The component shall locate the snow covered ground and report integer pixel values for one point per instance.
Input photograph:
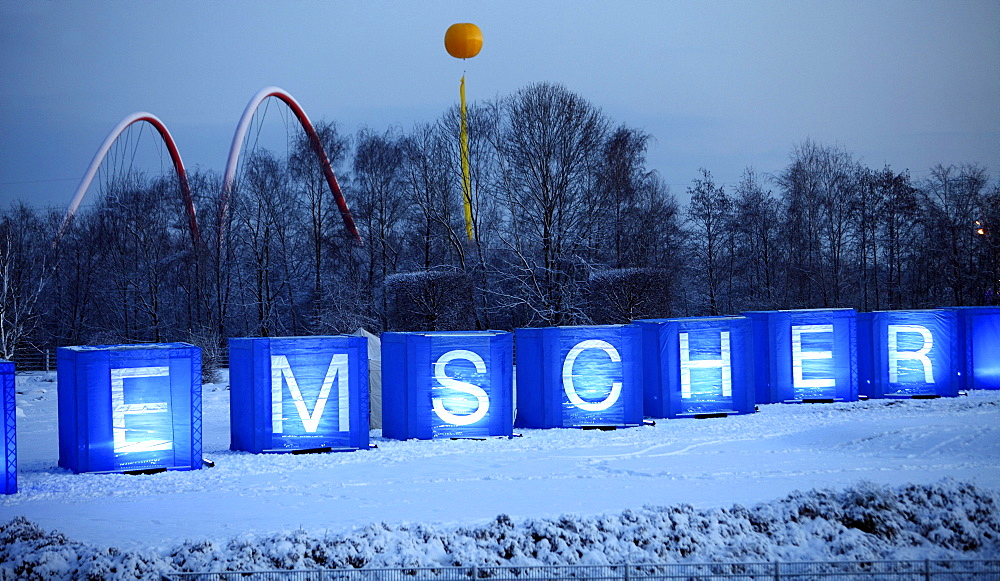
(428, 492)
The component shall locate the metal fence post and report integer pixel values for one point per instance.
(927, 570)
(475, 572)
(777, 570)
(626, 571)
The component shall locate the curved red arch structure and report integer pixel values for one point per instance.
(317, 146)
(102, 151)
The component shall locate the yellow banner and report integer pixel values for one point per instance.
(463, 138)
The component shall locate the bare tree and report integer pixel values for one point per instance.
(378, 187)
(708, 216)
(899, 233)
(952, 198)
(885, 231)
(756, 250)
(428, 183)
(570, 226)
(490, 210)
(144, 261)
(310, 186)
(621, 178)
(551, 149)
(820, 186)
(23, 277)
(75, 282)
(639, 239)
(268, 257)
(988, 235)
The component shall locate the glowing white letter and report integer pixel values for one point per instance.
(467, 388)
(895, 355)
(798, 356)
(567, 375)
(722, 363)
(338, 370)
(119, 409)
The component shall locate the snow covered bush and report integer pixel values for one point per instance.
(430, 300)
(865, 522)
(620, 295)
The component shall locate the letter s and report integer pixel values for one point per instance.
(467, 388)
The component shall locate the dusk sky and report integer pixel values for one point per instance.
(720, 85)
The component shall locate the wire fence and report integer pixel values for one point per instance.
(45, 359)
(35, 359)
(919, 570)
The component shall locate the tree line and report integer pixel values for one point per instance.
(571, 226)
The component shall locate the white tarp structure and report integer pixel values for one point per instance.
(374, 378)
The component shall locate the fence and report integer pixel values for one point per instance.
(45, 359)
(35, 359)
(925, 570)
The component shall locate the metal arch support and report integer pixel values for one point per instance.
(317, 146)
(175, 156)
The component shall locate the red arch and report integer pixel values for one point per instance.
(317, 146)
(102, 151)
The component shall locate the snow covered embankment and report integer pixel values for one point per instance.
(865, 522)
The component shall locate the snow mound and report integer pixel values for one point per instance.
(949, 519)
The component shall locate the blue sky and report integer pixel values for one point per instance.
(720, 85)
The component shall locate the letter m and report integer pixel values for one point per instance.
(281, 374)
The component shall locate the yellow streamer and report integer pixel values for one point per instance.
(463, 138)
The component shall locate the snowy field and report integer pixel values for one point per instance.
(875, 479)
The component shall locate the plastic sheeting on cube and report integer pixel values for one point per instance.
(697, 366)
(129, 408)
(447, 385)
(579, 376)
(866, 356)
(913, 353)
(290, 394)
(805, 355)
(9, 391)
(978, 347)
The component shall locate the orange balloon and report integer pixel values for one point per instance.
(463, 40)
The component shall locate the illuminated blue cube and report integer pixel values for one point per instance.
(697, 366)
(805, 355)
(129, 408)
(979, 347)
(570, 377)
(9, 426)
(291, 394)
(913, 354)
(447, 384)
